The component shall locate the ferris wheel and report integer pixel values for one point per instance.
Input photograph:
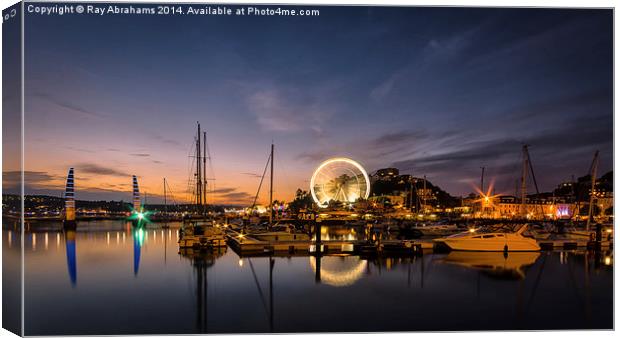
(339, 179)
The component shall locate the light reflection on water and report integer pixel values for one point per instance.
(108, 278)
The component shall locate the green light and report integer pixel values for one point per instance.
(140, 215)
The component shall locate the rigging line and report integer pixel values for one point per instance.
(209, 157)
(190, 163)
(174, 201)
(529, 160)
(261, 181)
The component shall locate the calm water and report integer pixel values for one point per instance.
(109, 279)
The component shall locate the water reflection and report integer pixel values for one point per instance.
(70, 250)
(201, 260)
(138, 236)
(208, 291)
(496, 264)
(338, 271)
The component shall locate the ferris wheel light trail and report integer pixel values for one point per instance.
(340, 179)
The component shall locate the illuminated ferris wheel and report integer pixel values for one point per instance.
(339, 179)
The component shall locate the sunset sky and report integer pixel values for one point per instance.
(432, 91)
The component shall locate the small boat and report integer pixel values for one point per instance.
(491, 239)
(201, 234)
(283, 232)
(436, 229)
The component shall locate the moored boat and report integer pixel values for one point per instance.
(201, 234)
(491, 239)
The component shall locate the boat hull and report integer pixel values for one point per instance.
(490, 242)
(202, 241)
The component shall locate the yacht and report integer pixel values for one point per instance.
(491, 239)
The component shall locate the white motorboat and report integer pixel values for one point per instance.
(490, 240)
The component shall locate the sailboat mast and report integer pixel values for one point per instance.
(482, 195)
(271, 190)
(165, 201)
(424, 197)
(593, 179)
(482, 181)
(204, 173)
(198, 171)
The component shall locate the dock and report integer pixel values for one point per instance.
(571, 244)
(248, 246)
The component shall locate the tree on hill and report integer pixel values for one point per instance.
(302, 200)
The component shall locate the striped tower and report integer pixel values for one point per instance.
(70, 201)
(137, 205)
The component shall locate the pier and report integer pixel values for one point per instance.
(246, 245)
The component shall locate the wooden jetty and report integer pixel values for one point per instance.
(247, 245)
(569, 244)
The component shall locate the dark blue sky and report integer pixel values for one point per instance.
(432, 91)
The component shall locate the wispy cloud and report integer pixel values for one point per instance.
(552, 150)
(70, 106)
(252, 175)
(222, 190)
(96, 169)
(37, 179)
(232, 195)
(289, 110)
(83, 150)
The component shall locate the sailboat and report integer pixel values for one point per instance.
(589, 234)
(199, 230)
(274, 231)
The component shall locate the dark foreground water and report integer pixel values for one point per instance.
(110, 279)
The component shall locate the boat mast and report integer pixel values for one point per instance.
(204, 173)
(524, 182)
(424, 197)
(271, 190)
(482, 195)
(482, 181)
(593, 169)
(198, 172)
(165, 201)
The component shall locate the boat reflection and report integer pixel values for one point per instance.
(201, 260)
(70, 251)
(500, 265)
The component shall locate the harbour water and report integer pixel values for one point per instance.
(108, 278)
